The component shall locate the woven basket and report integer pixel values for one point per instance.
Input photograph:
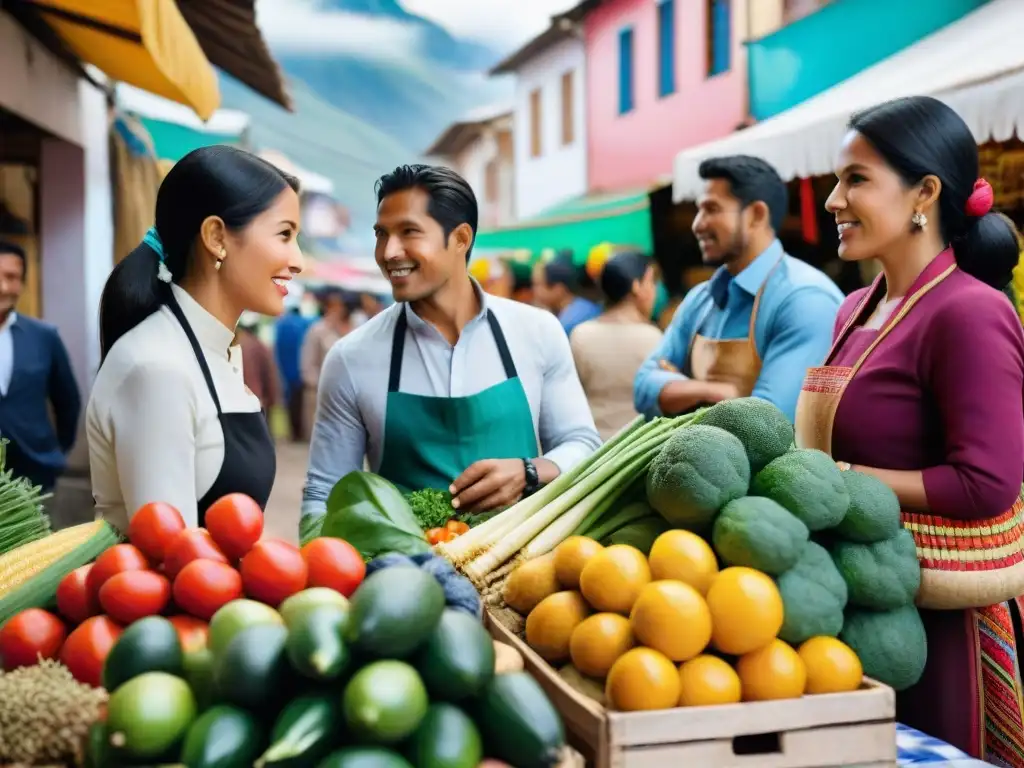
(969, 564)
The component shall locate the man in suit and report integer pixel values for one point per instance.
(35, 378)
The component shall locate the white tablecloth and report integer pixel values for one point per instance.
(916, 748)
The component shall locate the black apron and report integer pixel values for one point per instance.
(250, 458)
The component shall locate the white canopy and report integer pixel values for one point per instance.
(976, 65)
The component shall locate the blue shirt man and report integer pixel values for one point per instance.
(762, 319)
(554, 284)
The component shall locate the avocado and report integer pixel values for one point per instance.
(305, 732)
(148, 645)
(364, 757)
(222, 737)
(394, 611)
(253, 669)
(457, 660)
(446, 738)
(316, 647)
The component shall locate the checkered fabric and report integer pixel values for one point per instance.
(916, 748)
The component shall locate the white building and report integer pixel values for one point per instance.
(549, 118)
(480, 148)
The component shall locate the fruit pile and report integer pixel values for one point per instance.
(629, 620)
(391, 678)
(166, 568)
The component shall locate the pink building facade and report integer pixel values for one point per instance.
(662, 75)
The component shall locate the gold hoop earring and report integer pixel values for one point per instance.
(220, 261)
(919, 220)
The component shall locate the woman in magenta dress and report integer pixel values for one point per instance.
(924, 389)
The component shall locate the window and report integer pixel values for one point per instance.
(719, 37)
(568, 109)
(625, 71)
(666, 48)
(535, 124)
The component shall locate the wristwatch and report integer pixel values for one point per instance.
(532, 479)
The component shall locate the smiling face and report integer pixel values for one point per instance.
(872, 205)
(12, 281)
(412, 250)
(720, 224)
(263, 257)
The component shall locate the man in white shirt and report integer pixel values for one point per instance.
(449, 388)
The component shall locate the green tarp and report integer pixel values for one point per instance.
(172, 141)
(622, 219)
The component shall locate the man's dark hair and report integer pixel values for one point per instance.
(7, 247)
(561, 271)
(451, 201)
(750, 179)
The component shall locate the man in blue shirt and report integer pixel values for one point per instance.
(762, 319)
(554, 288)
(289, 333)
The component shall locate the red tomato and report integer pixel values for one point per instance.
(203, 586)
(438, 535)
(236, 523)
(74, 600)
(153, 528)
(273, 570)
(191, 544)
(120, 557)
(191, 631)
(133, 595)
(456, 527)
(86, 649)
(334, 563)
(29, 635)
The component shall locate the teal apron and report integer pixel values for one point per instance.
(429, 441)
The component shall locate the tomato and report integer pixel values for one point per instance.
(456, 527)
(437, 535)
(334, 563)
(86, 649)
(132, 595)
(236, 523)
(191, 544)
(120, 557)
(29, 635)
(273, 570)
(153, 528)
(203, 586)
(191, 631)
(74, 600)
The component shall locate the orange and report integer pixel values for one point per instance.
(832, 666)
(550, 625)
(746, 610)
(708, 680)
(672, 617)
(642, 679)
(685, 557)
(570, 558)
(773, 672)
(598, 642)
(612, 579)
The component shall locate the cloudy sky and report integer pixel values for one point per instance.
(503, 24)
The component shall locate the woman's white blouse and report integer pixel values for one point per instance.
(151, 422)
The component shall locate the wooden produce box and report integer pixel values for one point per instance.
(843, 729)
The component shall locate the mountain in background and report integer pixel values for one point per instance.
(356, 117)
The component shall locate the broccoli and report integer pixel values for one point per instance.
(432, 508)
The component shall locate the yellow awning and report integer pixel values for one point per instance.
(146, 43)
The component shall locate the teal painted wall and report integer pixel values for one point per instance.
(823, 49)
(172, 141)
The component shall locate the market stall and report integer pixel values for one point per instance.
(697, 592)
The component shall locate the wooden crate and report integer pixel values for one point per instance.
(844, 729)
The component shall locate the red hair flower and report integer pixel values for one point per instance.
(981, 199)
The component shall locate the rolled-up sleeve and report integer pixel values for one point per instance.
(799, 338)
(652, 378)
(338, 443)
(566, 425)
(973, 366)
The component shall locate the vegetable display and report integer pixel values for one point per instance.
(735, 503)
(22, 517)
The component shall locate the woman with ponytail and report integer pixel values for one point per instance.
(609, 349)
(170, 419)
(924, 390)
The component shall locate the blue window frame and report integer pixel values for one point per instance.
(719, 37)
(666, 47)
(625, 70)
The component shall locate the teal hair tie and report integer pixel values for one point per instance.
(152, 239)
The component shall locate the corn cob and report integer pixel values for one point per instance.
(29, 575)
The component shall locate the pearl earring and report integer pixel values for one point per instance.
(919, 220)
